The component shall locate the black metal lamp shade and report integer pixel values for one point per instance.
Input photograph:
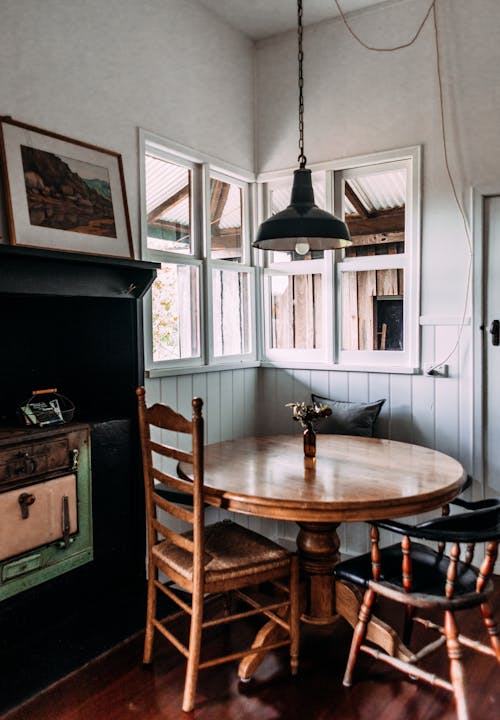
(302, 223)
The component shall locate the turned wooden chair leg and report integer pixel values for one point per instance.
(294, 615)
(408, 624)
(492, 629)
(456, 670)
(359, 635)
(193, 662)
(150, 616)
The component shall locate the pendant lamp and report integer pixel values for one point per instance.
(302, 226)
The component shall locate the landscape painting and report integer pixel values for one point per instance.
(63, 194)
(67, 194)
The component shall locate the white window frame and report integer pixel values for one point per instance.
(228, 265)
(304, 356)
(409, 261)
(203, 167)
(334, 263)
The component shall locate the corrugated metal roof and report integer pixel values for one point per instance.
(378, 191)
(163, 180)
(231, 213)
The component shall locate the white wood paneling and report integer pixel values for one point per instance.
(430, 411)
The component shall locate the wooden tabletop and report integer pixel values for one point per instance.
(351, 478)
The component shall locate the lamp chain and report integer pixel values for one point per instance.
(302, 158)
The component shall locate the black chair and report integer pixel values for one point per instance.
(419, 577)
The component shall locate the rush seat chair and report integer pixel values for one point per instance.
(205, 560)
(422, 578)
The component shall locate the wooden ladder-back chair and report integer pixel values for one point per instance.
(421, 578)
(205, 560)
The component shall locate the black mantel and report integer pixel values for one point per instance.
(31, 271)
(74, 321)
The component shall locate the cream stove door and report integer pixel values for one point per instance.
(37, 515)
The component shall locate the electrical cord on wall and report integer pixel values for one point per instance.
(432, 7)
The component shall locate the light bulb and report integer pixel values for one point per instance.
(302, 247)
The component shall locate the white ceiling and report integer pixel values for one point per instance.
(261, 18)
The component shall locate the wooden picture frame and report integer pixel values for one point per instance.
(63, 194)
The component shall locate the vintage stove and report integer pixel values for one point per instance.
(45, 504)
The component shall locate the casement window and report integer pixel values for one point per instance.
(195, 222)
(298, 318)
(357, 307)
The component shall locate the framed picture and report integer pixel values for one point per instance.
(63, 194)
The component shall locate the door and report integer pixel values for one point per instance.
(491, 346)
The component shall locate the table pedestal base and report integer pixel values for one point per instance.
(324, 600)
(318, 548)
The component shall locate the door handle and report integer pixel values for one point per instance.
(495, 332)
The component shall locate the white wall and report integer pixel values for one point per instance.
(96, 71)
(357, 102)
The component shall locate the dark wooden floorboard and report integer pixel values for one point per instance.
(117, 687)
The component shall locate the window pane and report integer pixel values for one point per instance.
(168, 205)
(296, 315)
(279, 198)
(176, 312)
(225, 220)
(375, 212)
(372, 310)
(231, 312)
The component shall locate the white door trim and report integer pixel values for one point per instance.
(479, 193)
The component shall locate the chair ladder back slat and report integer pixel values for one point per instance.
(164, 417)
(171, 508)
(174, 537)
(185, 486)
(170, 451)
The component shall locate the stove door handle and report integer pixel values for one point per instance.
(25, 500)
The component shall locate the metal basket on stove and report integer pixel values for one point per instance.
(46, 407)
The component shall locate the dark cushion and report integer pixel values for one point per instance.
(428, 570)
(348, 418)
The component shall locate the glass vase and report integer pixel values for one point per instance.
(309, 442)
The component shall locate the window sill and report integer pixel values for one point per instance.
(283, 365)
(386, 369)
(196, 369)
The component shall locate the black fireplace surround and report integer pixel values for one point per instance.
(74, 322)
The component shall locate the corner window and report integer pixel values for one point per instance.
(298, 317)
(195, 222)
(168, 204)
(226, 220)
(358, 306)
(175, 310)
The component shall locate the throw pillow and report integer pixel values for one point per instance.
(349, 418)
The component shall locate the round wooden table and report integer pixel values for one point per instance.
(351, 479)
